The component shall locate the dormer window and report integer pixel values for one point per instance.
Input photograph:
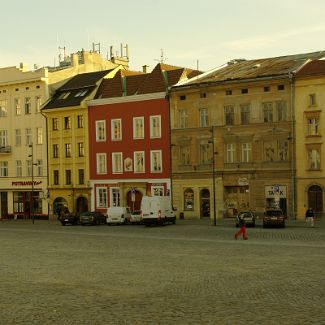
(64, 95)
(81, 93)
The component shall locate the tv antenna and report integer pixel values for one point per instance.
(162, 57)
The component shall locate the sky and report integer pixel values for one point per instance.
(204, 34)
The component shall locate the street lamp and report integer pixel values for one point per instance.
(213, 179)
(32, 165)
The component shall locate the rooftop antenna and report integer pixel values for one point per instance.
(162, 57)
(61, 52)
(96, 45)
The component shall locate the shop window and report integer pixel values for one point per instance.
(188, 200)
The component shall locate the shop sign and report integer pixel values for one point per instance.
(242, 181)
(26, 183)
(275, 191)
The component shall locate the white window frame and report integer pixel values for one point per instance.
(314, 159)
(156, 164)
(101, 163)
(246, 152)
(101, 197)
(100, 131)
(230, 152)
(312, 126)
(28, 105)
(138, 130)
(18, 137)
(117, 162)
(39, 164)
(29, 167)
(3, 108)
(19, 168)
(3, 138)
(115, 197)
(4, 168)
(17, 104)
(183, 118)
(203, 117)
(28, 136)
(139, 155)
(116, 124)
(155, 130)
(39, 139)
(37, 104)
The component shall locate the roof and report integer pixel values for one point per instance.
(312, 68)
(74, 91)
(160, 78)
(240, 70)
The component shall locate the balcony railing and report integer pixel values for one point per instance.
(5, 149)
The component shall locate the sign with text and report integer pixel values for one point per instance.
(275, 191)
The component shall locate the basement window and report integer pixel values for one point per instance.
(244, 91)
(182, 97)
(267, 89)
(280, 87)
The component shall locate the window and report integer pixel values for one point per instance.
(246, 152)
(139, 162)
(3, 108)
(205, 154)
(68, 150)
(115, 197)
(182, 97)
(67, 122)
(81, 151)
(117, 162)
(185, 155)
(155, 126)
(68, 177)
(80, 121)
(19, 168)
(17, 106)
(18, 137)
(155, 161)
(244, 91)
(228, 92)
(312, 99)
(101, 163)
(183, 118)
(116, 129)
(138, 128)
(81, 176)
(101, 197)
(55, 124)
(3, 138)
(28, 137)
(189, 200)
(245, 114)
(314, 159)
(230, 152)
(55, 151)
(81, 93)
(39, 132)
(281, 111)
(280, 87)
(55, 177)
(267, 112)
(276, 150)
(312, 126)
(64, 95)
(203, 95)
(204, 120)
(157, 190)
(3, 168)
(267, 89)
(229, 115)
(28, 105)
(29, 167)
(100, 130)
(37, 104)
(39, 164)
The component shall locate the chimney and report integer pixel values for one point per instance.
(144, 68)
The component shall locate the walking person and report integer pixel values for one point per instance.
(310, 216)
(242, 226)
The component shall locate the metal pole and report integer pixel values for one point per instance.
(214, 181)
(32, 199)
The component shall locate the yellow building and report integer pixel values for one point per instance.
(23, 141)
(67, 124)
(310, 153)
(232, 138)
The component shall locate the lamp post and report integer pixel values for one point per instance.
(213, 179)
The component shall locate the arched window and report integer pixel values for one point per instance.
(189, 199)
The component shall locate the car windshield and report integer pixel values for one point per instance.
(273, 212)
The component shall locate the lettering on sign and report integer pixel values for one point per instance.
(25, 183)
(275, 191)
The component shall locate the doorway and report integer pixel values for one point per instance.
(82, 204)
(315, 199)
(204, 203)
(136, 204)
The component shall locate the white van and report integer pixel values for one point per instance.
(118, 215)
(157, 210)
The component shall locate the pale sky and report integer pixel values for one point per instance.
(211, 32)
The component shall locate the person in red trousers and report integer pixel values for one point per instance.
(242, 225)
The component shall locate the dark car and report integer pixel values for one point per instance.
(248, 216)
(69, 219)
(92, 218)
(274, 217)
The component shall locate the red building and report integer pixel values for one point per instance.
(129, 137)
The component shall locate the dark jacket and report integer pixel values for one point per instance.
(309, 213)
(241, 220)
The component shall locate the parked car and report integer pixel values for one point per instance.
(118, 215)
(92, 218)
(157, 210)
(69, 219)
(135, 217)
(248, 216)
(274, 217)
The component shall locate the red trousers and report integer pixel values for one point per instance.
(242, 230)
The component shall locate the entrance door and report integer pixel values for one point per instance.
(315, 198)
(136, 205)
(4, 204)
(82, 204)
(205, 203)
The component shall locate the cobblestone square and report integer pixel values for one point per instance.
(188, 273)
